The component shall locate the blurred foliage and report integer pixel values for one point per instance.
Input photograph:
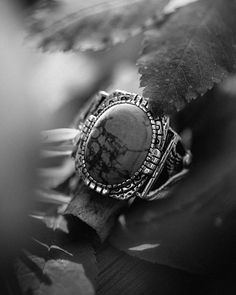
(94, 24)
(54, 264)
(184, 244)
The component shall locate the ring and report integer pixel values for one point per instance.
(121, 151)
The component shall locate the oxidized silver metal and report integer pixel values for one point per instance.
(163, 153)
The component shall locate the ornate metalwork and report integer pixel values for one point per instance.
(160, 153)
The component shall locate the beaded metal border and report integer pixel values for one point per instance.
(129, 187)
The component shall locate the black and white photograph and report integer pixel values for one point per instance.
(117, 147)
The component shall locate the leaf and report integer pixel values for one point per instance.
(144, 247)
(195, 226)
(51, 177)
(57, 276)
(59, 136)
(94, 24)
(192, 51)
(57, 164)
(54, 263)
(123, 274)
(52, 197)
(173, 5)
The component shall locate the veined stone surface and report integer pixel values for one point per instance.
(118, 144)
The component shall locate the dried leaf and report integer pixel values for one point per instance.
(59, 136)
(195, 226)
(98, 212)
(51, 177)
(52, 197)
(94, 24)
(192, 51)
(55, 276)
(144, 247)
(123, 274)
(173, 5)
(53, 263)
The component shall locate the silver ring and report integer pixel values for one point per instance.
(123, 152)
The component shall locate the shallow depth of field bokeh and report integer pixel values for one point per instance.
(181, 245)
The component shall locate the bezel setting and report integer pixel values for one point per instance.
(130, 187)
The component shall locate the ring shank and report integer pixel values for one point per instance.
(171, 169)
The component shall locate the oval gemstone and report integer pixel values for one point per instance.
(118, 144)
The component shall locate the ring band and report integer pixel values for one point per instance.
(123, 152)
